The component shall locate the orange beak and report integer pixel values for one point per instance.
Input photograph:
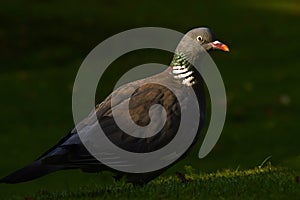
(219, 45)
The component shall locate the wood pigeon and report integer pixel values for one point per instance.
(70, 153)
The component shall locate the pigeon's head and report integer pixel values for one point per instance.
(189, 44)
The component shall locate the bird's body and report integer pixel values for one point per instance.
(70, 152)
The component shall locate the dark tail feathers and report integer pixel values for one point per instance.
(30, 172)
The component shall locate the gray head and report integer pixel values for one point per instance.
(189, 44)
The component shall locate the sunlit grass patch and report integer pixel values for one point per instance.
(259, 183)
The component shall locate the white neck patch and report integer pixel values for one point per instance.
(184, 74)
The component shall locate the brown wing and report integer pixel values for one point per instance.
(139, 105)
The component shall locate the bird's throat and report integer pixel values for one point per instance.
(183, 70)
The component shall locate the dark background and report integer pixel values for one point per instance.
(42, 44)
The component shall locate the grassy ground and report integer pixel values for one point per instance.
(42, 44)
(258, 183)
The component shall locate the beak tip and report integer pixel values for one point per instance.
(224, 47)
(227, 49)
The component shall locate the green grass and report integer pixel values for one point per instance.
(42, 44)
(259, 183)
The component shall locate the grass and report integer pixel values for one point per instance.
(42, 44)
(266, 182)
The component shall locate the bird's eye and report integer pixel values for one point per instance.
(199, 38)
